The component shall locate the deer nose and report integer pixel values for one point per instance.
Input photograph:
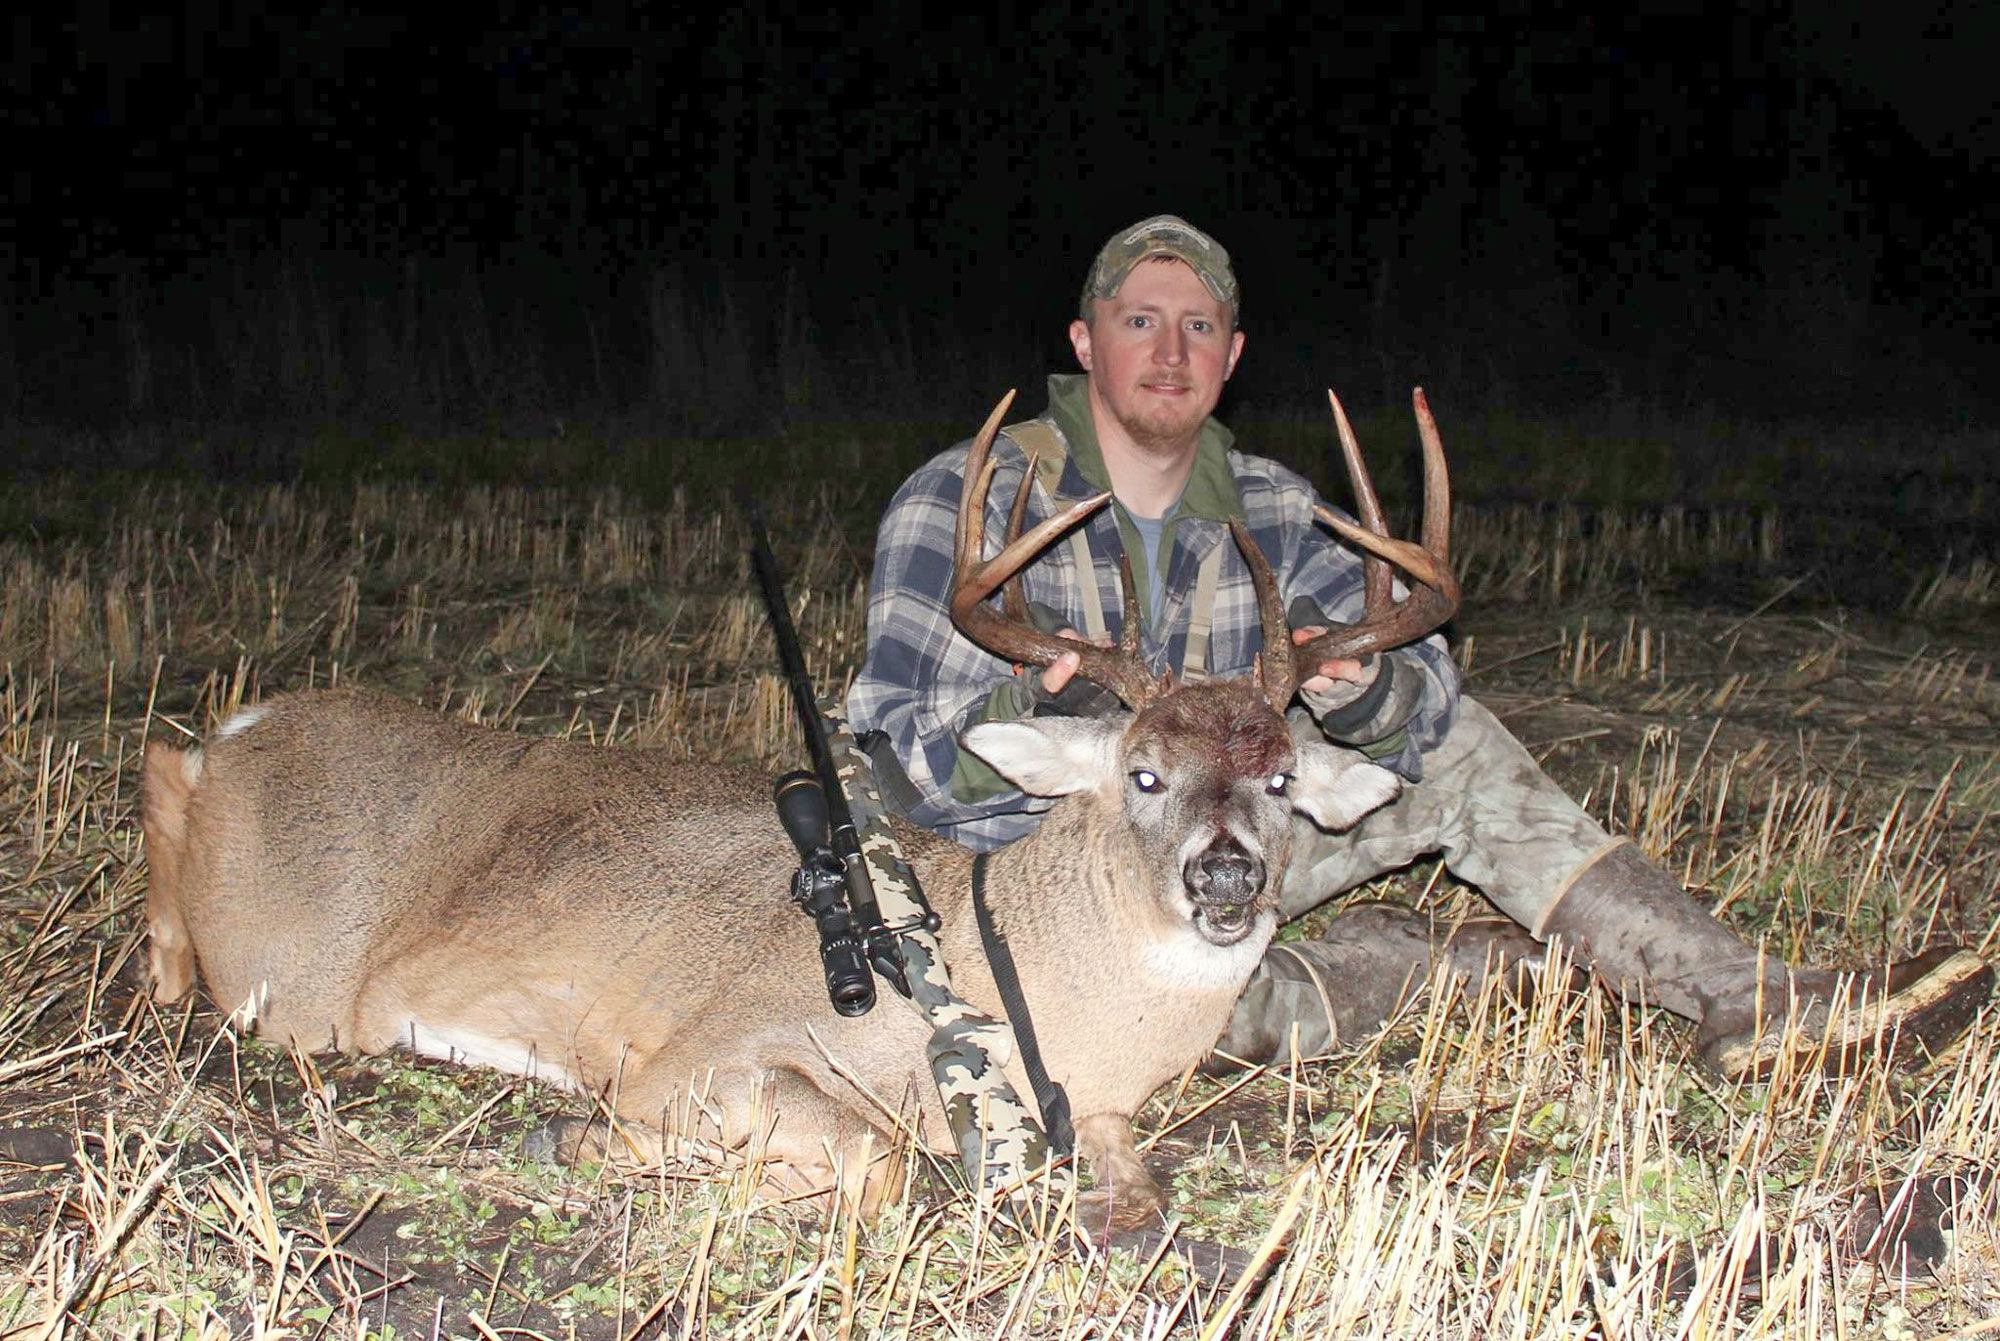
(1224, 872)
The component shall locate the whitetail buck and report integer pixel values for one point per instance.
(361, 873)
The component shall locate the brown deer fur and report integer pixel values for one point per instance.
(356, 872)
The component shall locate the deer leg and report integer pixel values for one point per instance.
(798, 1140)
(1126, 1196)
(661, 1115)
(815, 1143)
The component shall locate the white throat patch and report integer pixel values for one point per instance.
(1186, 962)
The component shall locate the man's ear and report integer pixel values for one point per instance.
(1235, 353)
(1079, 340)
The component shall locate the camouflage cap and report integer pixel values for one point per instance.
(1161, 235)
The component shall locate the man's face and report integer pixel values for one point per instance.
(1158, 352)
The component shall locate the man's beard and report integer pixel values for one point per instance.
(1165, 432)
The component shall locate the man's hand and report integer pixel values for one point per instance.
(1339, 681)
(1058, 691)
(1363, 702)
(1057, 675)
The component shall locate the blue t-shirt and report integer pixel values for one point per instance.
(1150, 530)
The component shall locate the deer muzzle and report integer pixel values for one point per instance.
(1225, 881)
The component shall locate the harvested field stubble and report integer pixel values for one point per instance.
(1824, 778)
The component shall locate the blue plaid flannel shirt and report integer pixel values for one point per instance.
(923, 683)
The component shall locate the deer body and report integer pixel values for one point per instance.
(368, 875)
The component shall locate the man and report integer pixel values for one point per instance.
(1157, 337)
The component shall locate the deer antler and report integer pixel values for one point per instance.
(1121, 669)
(1434, 590)
(1274, 672)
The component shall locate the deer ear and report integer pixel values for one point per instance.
(1049, 756)
(1334, 788)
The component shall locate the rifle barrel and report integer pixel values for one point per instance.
(845, 841)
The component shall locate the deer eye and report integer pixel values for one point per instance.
(1146, 780)
(1279, 781)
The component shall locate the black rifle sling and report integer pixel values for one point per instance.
(1049, 1095)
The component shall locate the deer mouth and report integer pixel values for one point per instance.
(1224, 924)
(1225, 883)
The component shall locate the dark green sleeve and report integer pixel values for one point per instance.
(972, 778)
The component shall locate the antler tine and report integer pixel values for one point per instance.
(1437, 483)
(1377, 586)
(1128, 629)
(1434, 591)
(975, 579)
(1275, 670)
(1118, 669)
(977, 482)
(1012, 598)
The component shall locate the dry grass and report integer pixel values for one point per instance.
(1485, 1168)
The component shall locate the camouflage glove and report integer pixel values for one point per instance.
(1372, 712)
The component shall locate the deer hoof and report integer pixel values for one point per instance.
(1108, 1211)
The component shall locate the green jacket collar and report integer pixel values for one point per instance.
(1211, 490)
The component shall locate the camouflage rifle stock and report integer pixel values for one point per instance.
(1001, 1144)
(1000, 1141)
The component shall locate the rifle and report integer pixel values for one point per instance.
(832, 884)
(1001, 1145)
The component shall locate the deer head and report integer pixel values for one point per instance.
(1196, 785)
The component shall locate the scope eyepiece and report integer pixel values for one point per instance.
(819, 890)
(850, 982)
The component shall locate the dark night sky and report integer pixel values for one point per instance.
(1661, 171)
